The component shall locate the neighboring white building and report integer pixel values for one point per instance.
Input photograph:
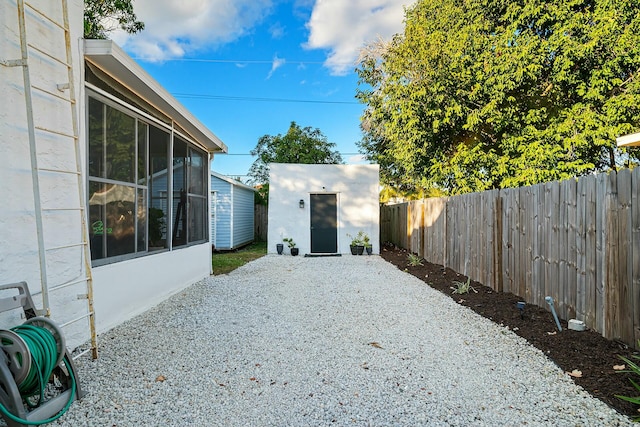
(319, 205)
(140, 175)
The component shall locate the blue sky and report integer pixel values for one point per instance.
(247, 68)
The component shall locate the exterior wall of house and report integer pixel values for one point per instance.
(125, 289)
(121, 289)
(357, 191)
(20, 257)
(234, 216)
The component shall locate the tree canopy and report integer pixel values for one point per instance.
(103, 16)
(482, 94)
(298, 145)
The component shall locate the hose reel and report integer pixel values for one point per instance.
(38, 382)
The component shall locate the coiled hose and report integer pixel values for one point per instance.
(44, 354)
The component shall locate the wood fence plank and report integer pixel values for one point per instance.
(537, 275)
(572, 278)
(625, 272)
(507, 246)
(612, 296)
(590, 254)
(562, 254)
(601, 242)
(553, 191)
(635, 253)
(498, 243)
(581, 233)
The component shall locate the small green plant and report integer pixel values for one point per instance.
(289, 241)
(463, 288)
(365, 241)
(359, 239)
(414, 260)
(633, 368)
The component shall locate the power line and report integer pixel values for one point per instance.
(243, 61)
(248, 98)
(249, 154)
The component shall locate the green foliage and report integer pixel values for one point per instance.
(289, 241)
(477, 95)
(633, 368)
(261, 197)
(98, 14)
(299, 145)
(462, 288)
(414, 260)
(360, 239)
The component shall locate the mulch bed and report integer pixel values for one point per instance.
(586, 351)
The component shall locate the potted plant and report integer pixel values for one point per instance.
(367, 244)
(292, 246)
(357, 244)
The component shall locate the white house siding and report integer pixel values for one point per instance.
(19, 257)
(234, 212)
(355, 186)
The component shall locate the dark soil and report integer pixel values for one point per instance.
(588, 351)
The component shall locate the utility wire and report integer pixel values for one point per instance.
(248, 98)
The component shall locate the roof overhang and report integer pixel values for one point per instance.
(111, 59)
(631, 140)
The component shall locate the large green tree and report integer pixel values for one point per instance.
(481, 94)
(298, 145)
(103, 16)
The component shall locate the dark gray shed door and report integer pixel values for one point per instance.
(324, 223)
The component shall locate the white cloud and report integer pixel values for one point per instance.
(357, 159)
(277, 31)
(344, 27)
(277, 63)
(174, 28)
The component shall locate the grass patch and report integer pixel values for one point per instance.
(225, 262)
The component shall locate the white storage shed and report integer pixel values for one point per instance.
(319, 206)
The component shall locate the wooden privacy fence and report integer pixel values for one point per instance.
(260, 221)
(576, 240)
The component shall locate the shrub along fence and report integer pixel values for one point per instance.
(576, 240)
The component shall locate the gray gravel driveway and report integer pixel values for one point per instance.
(347, 341)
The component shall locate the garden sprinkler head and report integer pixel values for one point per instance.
(520, 305)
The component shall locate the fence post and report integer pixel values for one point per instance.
(497, 250)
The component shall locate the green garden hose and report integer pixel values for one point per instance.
(44, 354)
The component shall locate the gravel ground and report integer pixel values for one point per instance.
(293, 341)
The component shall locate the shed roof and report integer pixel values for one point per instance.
(232, 181)
(111, 59)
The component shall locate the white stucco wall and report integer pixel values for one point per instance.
(19, 258)
(125, 289)
(357, 191)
